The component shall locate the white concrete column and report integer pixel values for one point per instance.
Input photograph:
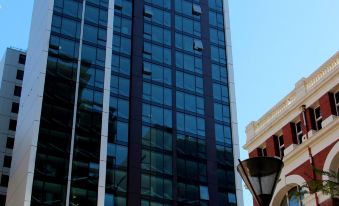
(233, 108)
(105, 107)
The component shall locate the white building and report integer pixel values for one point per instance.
(11, 75)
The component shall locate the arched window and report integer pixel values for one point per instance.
(293, 198)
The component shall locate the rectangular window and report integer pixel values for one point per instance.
(263, 152)
(336, 98)
(15, 107)
(22, 59)
(281, 145)
(19, 74)
(17, 91)
(2, 199)
(298, 132)
(4, 180)
(12, 125)
(10, 143)
(7, 161)
(318, 118)
(204, 195)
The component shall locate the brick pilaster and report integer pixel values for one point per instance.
(327, 105)
(310, 123)
(289, 134)
(254, 153)
(272, 146)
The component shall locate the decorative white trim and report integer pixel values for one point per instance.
(332, 160)
(284, 185)
(311, 133)
(321, 140)
(289, 149)
(328, 120)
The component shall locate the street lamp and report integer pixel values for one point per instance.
(260, 175)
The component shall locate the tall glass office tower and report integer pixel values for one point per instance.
(127, 103)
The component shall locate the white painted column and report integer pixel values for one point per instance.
(233, 108)
(105, 107)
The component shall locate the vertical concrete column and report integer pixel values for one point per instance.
(209, 112)
(135, 122)
(105, 107)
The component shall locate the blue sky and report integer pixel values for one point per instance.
(275, 43)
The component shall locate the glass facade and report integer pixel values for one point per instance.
(157, 126)
(118, 130)
(169, 136)
(55, 133)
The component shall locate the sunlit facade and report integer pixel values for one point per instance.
(11, 75)
(302, 130)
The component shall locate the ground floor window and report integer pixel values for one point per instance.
(293, 198)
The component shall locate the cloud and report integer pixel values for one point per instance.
(0, 6)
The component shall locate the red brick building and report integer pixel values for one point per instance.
(303, 129)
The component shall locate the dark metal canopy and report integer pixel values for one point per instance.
(260, 175)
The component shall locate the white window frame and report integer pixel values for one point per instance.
(263, 151)
(299, 134)
(318, 119)
(287, 197)
(336, 102)
(281, 145)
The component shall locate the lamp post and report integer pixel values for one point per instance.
(260, 175)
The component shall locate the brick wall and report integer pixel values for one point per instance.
(327, 105)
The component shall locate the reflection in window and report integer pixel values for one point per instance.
(157, 138)
(189, 82)
(120, 85)
(219, 73)
(157, 73)
(223, 134)
(162, 3)
(156, 115)
(220, 92)
(157, 53)
(191, 124)
(157, 94)
(188, 62)
(157, 16)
